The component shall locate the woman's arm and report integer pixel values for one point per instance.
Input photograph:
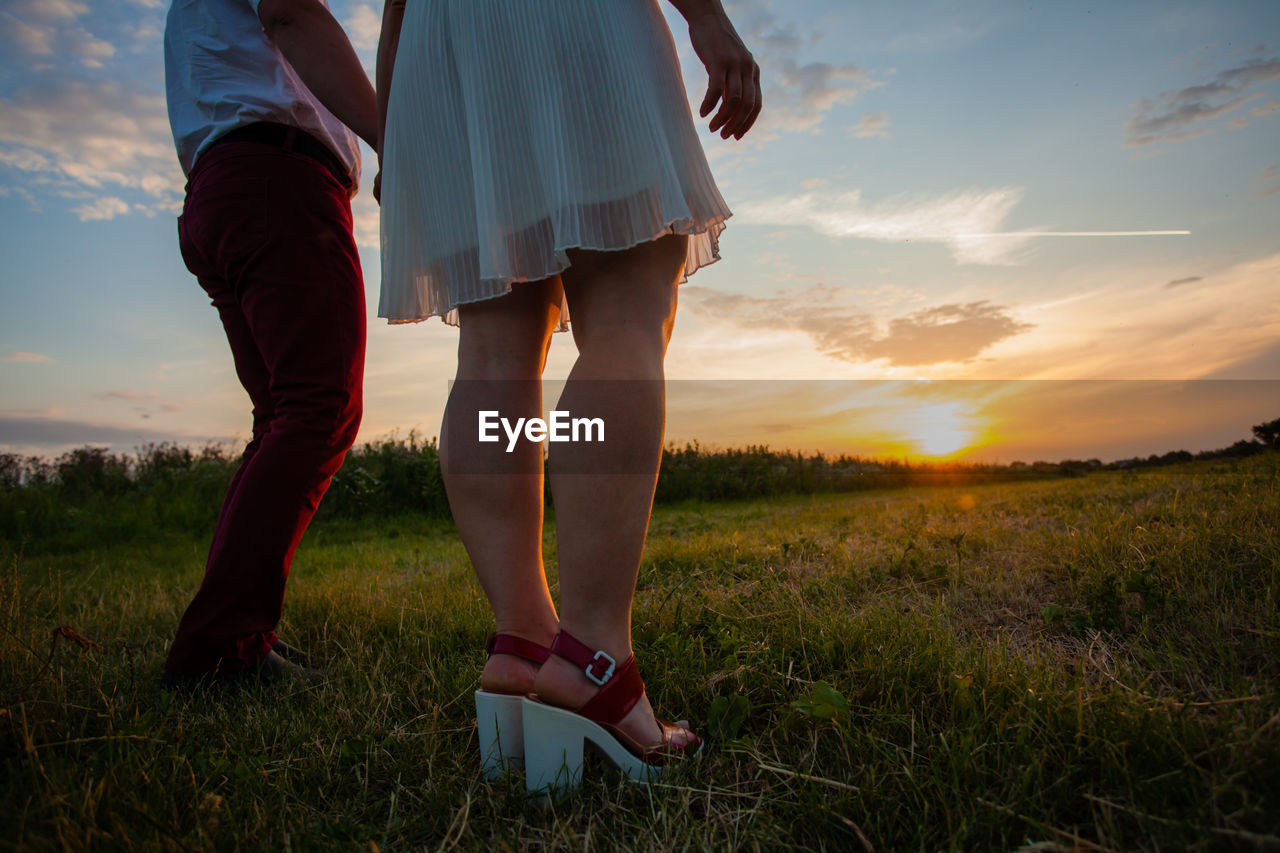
(388, 43)
(733, 78)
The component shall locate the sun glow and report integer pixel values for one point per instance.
(939, 430)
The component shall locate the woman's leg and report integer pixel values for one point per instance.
(623, 306)
(496, 497)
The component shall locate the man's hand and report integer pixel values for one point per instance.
(315, 45)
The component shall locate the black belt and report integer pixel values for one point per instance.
(290, 139)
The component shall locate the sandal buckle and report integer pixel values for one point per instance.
(608, 672)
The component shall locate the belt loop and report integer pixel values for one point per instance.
(290, 137)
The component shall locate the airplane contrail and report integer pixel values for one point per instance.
(1077, 234)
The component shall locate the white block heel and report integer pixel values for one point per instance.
(501, 732)
(554, 740)
(498, 718)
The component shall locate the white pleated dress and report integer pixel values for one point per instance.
(517, 129)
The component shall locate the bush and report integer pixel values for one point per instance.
(89, 495)
(388, 478)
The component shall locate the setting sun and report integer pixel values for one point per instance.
(939, 430)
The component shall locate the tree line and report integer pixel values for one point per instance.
(90, 491)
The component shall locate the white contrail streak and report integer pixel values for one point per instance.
(1077, 234)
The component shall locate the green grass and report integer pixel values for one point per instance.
(1084, 663)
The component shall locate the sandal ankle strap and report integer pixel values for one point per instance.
(508, 644)
(620, 684)
(598, 665)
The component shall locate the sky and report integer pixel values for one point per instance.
(970, 229)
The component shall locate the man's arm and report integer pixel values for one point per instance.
(319, 51)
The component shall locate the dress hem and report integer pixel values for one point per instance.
(714, 228)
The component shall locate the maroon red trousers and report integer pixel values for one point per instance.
(267, 232)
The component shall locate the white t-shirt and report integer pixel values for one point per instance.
(222, 72)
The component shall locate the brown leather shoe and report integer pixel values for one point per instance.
(272, 668)
(291, 654)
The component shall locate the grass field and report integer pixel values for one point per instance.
(1085, 663)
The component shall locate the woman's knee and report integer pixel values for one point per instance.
(638, 343)
(629, 293)
(507, 337)
(637, 329)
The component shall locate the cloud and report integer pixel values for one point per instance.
(365, 218)
(871, 124)
(1261, 364)
(1184, 114)
(363, 26)
(940, 26)
(941, 334)
(25, 357)
(37, 41)
(798, 95)
(44, 432)
(1269, 182)
(1179, 282)
(91, 50)
(945, 333)
(105, 208)
(50, 27)
(129, 395)
(87, 121)
(962, 219)
(1116, 322)
(144, 402)
(78, 135)
(55, 10)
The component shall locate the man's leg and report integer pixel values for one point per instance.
(269, 234)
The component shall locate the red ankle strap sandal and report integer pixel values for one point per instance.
(554, 736)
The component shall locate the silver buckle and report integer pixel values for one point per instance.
(608, 673)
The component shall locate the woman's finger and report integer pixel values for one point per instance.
(746, 104)
(729, 104)
(748, 115)
(715, 88)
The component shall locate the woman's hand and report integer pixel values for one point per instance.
(733, 78)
